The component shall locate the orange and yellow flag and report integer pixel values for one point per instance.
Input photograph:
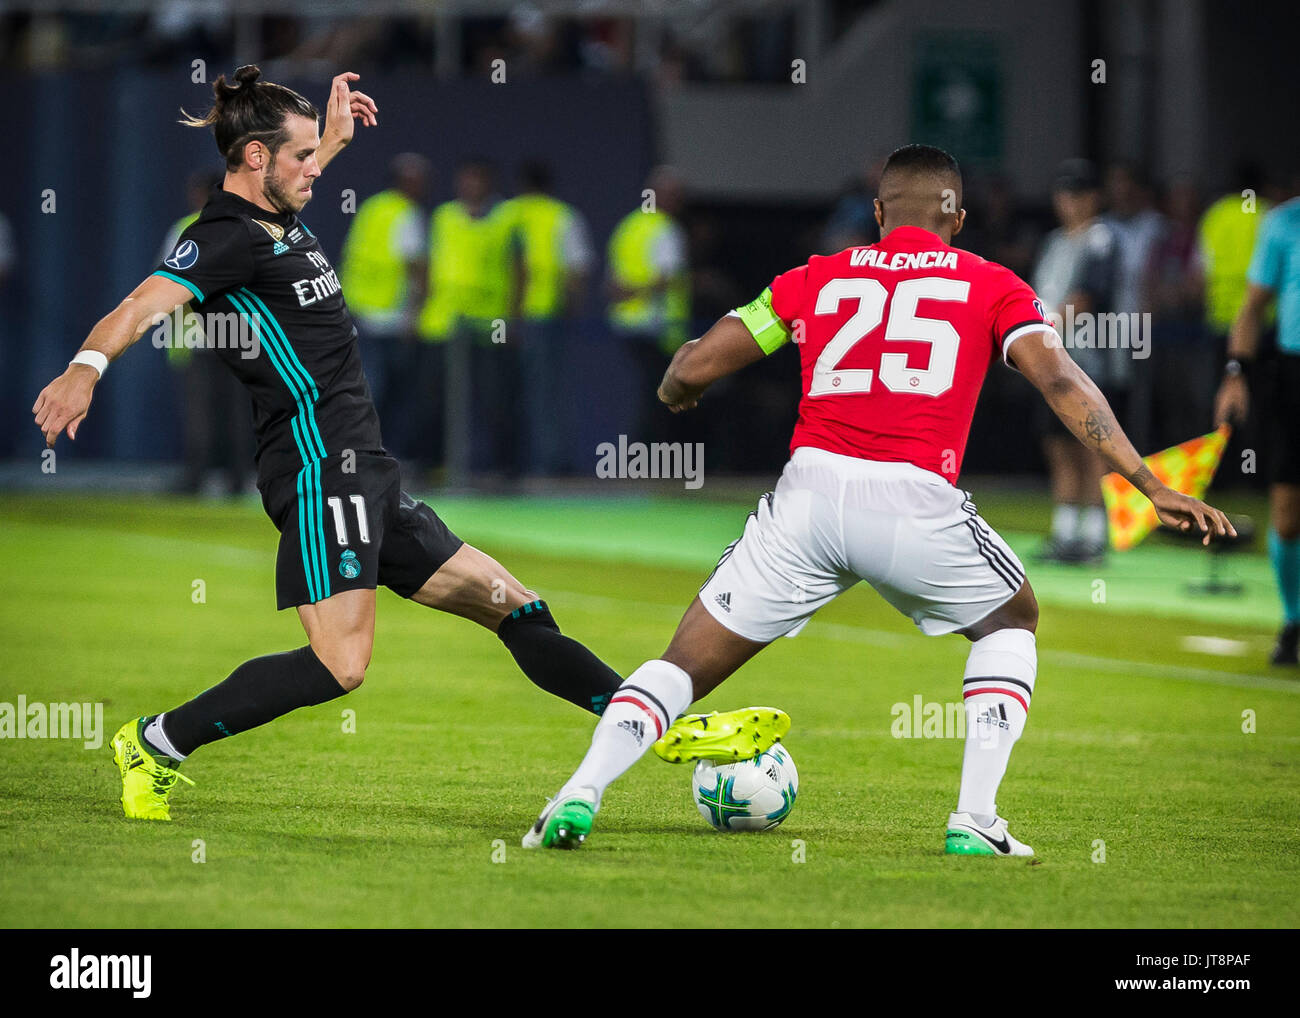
(1187, 468)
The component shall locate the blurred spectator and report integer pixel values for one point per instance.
(218, 416)
(852, 221)
(535, 40)
(556, 260)
(1136, 225)
(471, 294)
(607, 45)
(996, 228)
(1076, 276)
(1183, 361)
(1225, 239)
(649, 288)
(383, 270)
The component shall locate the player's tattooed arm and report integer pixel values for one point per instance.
(1098, 425)
(344, 105)
(1144, 480)
(1080, 405)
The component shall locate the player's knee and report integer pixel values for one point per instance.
(347, 664)
(1021, 612)
(1026, 613)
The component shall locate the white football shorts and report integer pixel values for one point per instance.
(834, 520)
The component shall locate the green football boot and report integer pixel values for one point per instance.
(723, 737)
(565, 823)
(146, 780)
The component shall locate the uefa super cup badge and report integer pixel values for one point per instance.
(349, 567)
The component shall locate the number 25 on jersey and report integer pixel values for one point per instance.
(904, 325)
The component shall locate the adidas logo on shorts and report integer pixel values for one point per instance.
(724, 601)
(637, 728)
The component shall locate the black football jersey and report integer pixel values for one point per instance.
(273, 311)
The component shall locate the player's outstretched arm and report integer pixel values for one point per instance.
(64, 402)
(725, 348)
(1080, 405)
(344, 105)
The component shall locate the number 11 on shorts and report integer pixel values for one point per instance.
(341, 524)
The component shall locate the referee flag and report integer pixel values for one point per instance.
(1187, 468)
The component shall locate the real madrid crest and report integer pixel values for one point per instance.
(349, 567)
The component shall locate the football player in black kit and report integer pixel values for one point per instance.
(326, 482)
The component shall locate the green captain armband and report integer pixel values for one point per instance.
(769, 332)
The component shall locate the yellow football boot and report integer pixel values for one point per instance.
(146, 781)
(723, 737)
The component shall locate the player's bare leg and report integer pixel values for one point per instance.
(706, 650)
(1284, 553)
(341, 631)
(997, 688)
(475, 586)
(700, 656)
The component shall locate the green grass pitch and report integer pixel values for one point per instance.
(1135, 751)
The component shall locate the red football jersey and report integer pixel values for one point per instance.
(895, 339)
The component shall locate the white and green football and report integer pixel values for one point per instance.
(752, 795)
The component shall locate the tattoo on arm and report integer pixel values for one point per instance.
(1098, 426)
(1142, 478)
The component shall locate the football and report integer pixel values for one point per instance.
(752, 795)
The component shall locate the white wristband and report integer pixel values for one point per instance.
(92, 358)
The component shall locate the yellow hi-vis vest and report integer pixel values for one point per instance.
(1226, 235)
(539, 223)
(372, 271)
(469, 269)
(631, 266)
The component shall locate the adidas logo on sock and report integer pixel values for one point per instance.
(724, 601)
(995, 717)
(637, 728)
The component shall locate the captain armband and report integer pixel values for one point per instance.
(763, 323)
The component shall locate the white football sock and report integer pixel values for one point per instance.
(1065, 521)
(1093, 527)
(640, 711)
(997, 688)
(156, 737)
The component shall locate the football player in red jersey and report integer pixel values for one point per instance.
(894, 340)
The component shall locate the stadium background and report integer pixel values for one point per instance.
(602, 93)
(1139, 713)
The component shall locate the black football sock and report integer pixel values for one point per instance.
(554, 662)
(256, 692)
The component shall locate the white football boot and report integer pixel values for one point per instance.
(966, 836)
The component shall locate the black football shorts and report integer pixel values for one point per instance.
(1284, 427)
(352, 529)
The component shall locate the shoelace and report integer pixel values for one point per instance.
(165, 777)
